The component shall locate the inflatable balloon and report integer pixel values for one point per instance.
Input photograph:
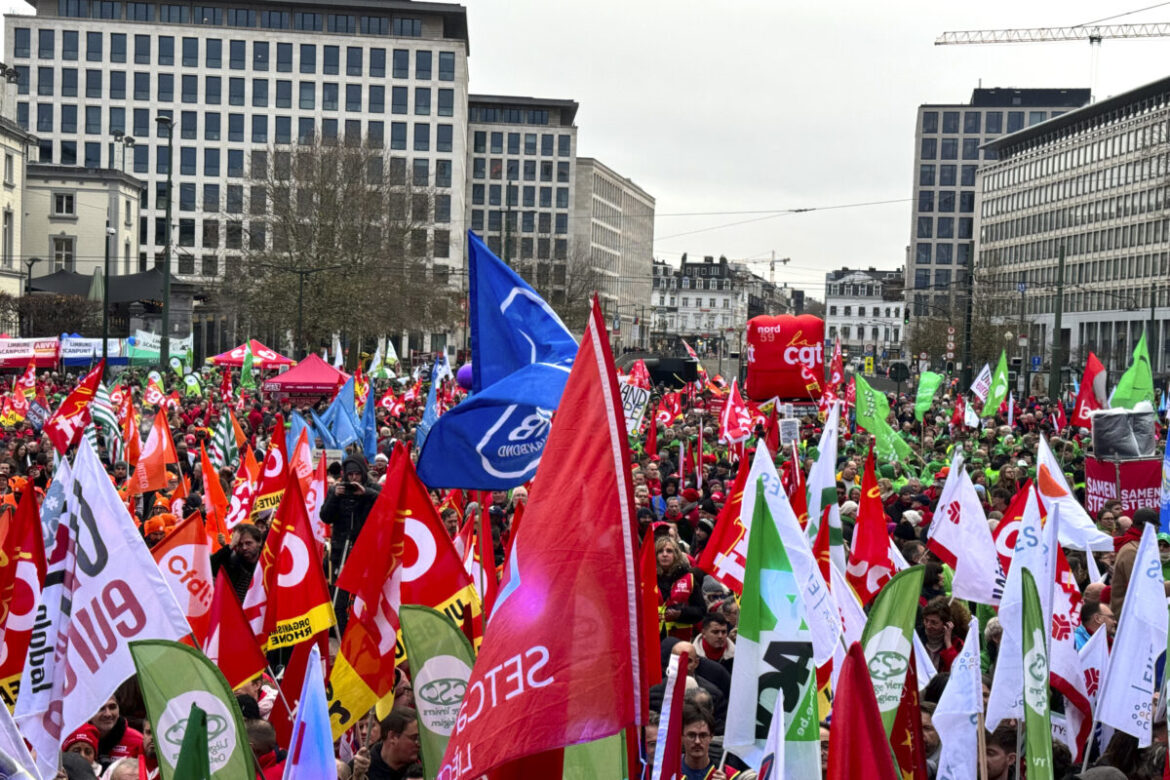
(463, 376)
(785, 357)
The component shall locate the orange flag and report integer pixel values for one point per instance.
(184, 558)
(130, 433)
(214, 500)
(157, 453)
(241, 439)
(300, 466)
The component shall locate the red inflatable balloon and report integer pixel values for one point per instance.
(785, 357)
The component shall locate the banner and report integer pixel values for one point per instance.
(1137, 483)
(16, 353)
(82, 352)
(152, 342)
(634, 400)
(782, 352)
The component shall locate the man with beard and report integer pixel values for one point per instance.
(239, 560)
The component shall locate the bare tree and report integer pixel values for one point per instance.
(567, 284)
(929, 334)
(342, 238)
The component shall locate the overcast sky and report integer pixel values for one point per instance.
(763, 105)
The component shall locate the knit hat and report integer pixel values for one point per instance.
(87, 734)
(154, 525)
(849, 509)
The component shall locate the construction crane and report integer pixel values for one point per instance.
(1091, 33)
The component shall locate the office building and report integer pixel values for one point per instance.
(240, 81)
(1091, 184)
(863, 307)
(949, 141)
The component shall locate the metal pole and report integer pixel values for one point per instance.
(165, 341)
(1023, 337)
(300, 312)
(106, 303)
(1153, 330)
(968, 375)
(1057, 327)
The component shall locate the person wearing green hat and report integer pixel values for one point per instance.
(1164, 554)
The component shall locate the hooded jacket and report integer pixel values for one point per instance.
(347, 513)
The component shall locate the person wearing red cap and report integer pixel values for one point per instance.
(84, 742)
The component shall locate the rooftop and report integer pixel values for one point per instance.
(568, 108)
(1008, 97)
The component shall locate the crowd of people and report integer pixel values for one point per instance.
(680, 507)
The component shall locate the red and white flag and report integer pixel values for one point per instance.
(870, 566)
(184, 558)
(668, 751)
(1064, 663)
(1091, 396)
(158, 452)
(22, 575)
(102, 592)
(640, 375)
(66, 425)
(960, 537)
(1077, 529)
(230, 643)
(735, 422)
(392, 403)
(573, 691)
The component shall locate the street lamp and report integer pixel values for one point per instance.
(28, 288)
(165, 342)
(110, 233)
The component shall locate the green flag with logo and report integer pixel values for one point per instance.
(997, 393)
(1137, 383)
(246, 379)
(173, 677)
(440, 663)
(887, 639)
(194, 761)
(1037, 718)
(176, 365)
(928, 383)
(194, 388)
(872, 411)
(773, 656)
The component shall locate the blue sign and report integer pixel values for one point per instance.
(1035, 362)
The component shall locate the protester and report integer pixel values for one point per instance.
(115, 737)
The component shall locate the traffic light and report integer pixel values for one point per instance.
(906, 315)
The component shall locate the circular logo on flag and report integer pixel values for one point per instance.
(438, 692)
(888, 655)
(172, 726)
(1036, 667)
(155, 377)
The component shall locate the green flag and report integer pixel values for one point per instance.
(176, 365)
(194, 761)
(246, 380)
(872, 411)
(440, 660)
(1137, 383)
(194, 388)
(999, 387)
(173, 677)
(928, 384)
(773, 651)
(1037, 718)
(599, 758)
(887, 639)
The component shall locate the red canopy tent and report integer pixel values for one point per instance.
(311, 378)
(262, 357)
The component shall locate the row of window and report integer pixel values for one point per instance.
(942, 281)
(926, 227)
(171, 13)
(946, 175)
(1154, 265)
(494, 115)
(1089, 148)
(941, 254)
(853, 290)
(524, 221)
(946, 201)
(875, 311)
(975, 122)
(480, 167)
(359, 60)
(495, 196)
(948, 149)
(1107, 240)
(685, 283)
(1131, 204)
(238, 93)
(254, 234)
(537, 249)
(697, 322)
(847, 332)
(1153, 168)
(564, 143)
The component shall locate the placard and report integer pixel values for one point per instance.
(634, 400)
(1137, 483)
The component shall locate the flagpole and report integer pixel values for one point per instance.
(1089, 746)
(982, 742)
(280, 690)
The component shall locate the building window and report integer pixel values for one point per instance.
(284, 58)
(994, 122)
(7, 240)
(422, 101)
(407, 28)
(446, 66)
(166, 50)
(930, 121)
(63, 253)
(330, 66)
(929, 149)
(308, 58)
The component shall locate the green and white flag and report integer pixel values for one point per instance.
(102, 409)
(1137, 383)
(193, 387)
(999, 387)
(173, 677)
(1037, 717)
(872, 412)
(440, 660)
(194, 762)
(887, 637)
(224, 451)
(246, 380)
(773, 651)
(928, 383)
(176, 365)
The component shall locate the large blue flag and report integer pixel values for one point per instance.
(321, 429)
(340, 417)
(369, 425)
(521, 353)
(311, 748)
(431, 410)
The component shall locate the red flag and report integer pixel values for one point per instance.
(670, 723)
(772, 432)
(959, 415)
(214, 499)
(735, 423)
(870, 566)
(648, 588)
(157, 454)
(640, 375)
(274, 477)
(299, 605)
(65, 426)
(864, 751)
(1059, 418)
(651, 446)
(725, 555)
(292, 682)
(798, 490)
(571, 691)
(22, 575)
(240, 659)
(821, 546)
(128, 418)
(490, 583)
(906, 734)
(1091, 396)
(1009, 526)
(184, 558)
(225, 386)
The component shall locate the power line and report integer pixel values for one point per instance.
(1118, 16)
(786, 213)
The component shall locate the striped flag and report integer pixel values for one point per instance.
(224, 451)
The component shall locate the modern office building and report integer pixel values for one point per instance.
(1091, 184)
(613, 231)
(949, 142)
(863, 307)
(239, 81)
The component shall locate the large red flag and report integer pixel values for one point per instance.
(22, 575)
(536, 686)
(274, 477)
(870, 566)
(66, 424)
(864, 751)
(648, 588)
(1091, 396)
(240, 658)
(184, 558)
(906, 737)
(668, 757)
(725, 555)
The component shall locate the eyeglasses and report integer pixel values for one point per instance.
(693, 737)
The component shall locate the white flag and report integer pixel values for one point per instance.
(772, 765)
(1094, 660)
(956, 718)
(1033, 546)
(1126, 700)
(12, 745)
(982, 383)
(822, 479)
(960, 536)
(102, 591)
(1078, 530)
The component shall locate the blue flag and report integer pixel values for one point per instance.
(321, 430)
(296, 424)
(431, 410)
(521, 353)
(1164, 520)
(311, 746)
(369, 425)
(340, 417)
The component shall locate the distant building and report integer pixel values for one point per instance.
(864, 309)
(1090, 183)
(947, 141)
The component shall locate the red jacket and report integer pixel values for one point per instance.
(271, 766)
